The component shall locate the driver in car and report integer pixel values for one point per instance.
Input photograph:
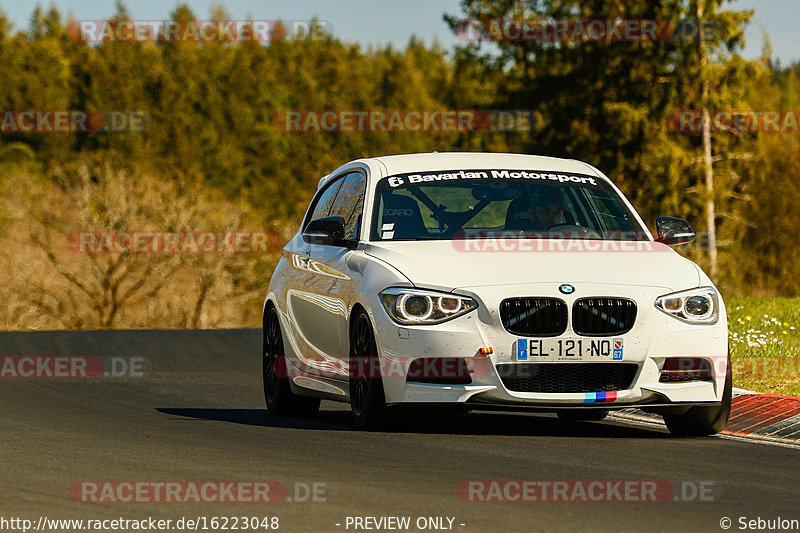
(546, 210)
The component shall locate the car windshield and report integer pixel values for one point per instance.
(514, 203)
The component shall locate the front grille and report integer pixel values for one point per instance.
(603, 316)
(534, 317)
(567, 377)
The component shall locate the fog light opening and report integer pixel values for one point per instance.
(682, 369)
(440, 371)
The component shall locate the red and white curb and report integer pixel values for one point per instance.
(769, 418)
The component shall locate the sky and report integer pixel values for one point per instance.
(392, 21)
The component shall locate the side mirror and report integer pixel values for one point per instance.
(671, 231)
(329, 231)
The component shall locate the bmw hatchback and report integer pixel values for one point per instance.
(490, 281)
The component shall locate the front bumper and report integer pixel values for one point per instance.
(654, 338)
(489, 389)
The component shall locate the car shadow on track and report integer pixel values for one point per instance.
(260, 417)
(475, 423)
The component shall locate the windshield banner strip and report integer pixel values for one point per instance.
(405, 180)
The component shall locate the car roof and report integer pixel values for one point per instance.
(401, 164)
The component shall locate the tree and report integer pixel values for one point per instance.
(609, 101)
(64, 273)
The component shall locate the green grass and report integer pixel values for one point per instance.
(764, 338)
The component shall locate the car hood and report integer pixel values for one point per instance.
(446, 265)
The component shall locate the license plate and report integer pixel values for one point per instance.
(568, 349)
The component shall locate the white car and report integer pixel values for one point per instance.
(489, 281)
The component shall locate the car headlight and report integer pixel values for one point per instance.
(695, 306)
(420, 307)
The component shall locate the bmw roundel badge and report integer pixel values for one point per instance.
(566, 288)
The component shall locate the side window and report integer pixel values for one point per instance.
(324, 201)
(349, 203)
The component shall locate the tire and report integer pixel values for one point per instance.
(278, 394)
(367, 401)
(580, 415)
(703, 421)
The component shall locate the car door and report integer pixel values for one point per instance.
(325, 286)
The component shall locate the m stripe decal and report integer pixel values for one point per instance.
(600, 397)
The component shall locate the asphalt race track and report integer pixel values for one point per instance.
(199, 415)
